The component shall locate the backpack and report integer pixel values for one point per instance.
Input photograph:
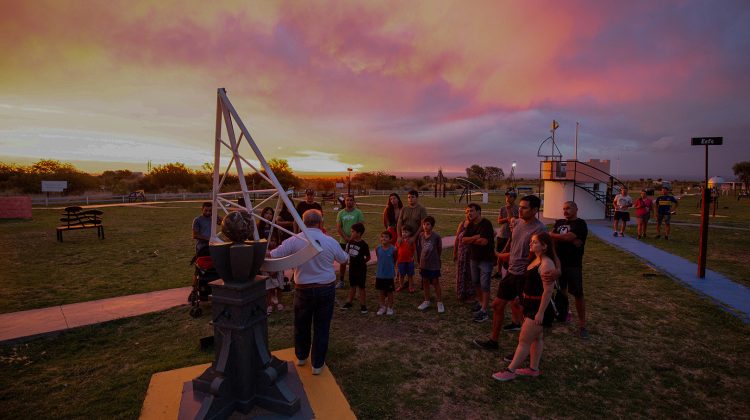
(560, 304)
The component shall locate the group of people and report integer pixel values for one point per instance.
(664, 206)
(531, 262)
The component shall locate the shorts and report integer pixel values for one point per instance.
(429, 274)
(622, 215)
(572, 280)
(481, 273)
(500, 244)
(644, 217)
(406, 268)
(275, 280)
(357, 278)
(385, 285)
(511, 286)
(666, 218)
(531, 307)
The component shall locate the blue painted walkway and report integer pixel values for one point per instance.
(731, 296)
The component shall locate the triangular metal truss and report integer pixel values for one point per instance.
(227, 116)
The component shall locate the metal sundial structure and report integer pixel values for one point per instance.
(226, 115)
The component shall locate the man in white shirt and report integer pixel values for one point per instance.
(622, 203)
(315, 292)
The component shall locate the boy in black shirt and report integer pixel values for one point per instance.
(359, 255)
(570, 235)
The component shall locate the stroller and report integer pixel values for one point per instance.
(204, 274)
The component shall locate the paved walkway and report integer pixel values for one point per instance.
(731, 296)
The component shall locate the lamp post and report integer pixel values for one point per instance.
(349, 188)
(512, 174)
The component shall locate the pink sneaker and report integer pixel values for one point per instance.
(528, 372)
(504, 375)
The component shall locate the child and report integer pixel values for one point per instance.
(386, 254)
(359, 255)
(406, 259)
(429, 249)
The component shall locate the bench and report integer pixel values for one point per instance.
(327, 197)
(77, 218)
(136, 196)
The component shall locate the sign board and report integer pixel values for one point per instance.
(707, 141)
(339, 185)
(54, 186)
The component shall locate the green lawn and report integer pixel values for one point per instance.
(657, 350)
(726, 247)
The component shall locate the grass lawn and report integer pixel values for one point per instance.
(656, 350)
(147, 248)
(726, 247)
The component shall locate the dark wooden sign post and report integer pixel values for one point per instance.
(705, 203)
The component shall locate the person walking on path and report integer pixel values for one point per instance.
(664, 211)
(537, 293)
(315, 292)
(390, 215)
(345, 219)
(622, 202)
(643, 209)
(512, 284)
(480, 237)
(412, 214)
(570, 236)
(465, 290)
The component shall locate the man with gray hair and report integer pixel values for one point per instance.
(315, 290)
(570, 235)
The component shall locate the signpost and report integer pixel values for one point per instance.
(706, 200)
(53, 186)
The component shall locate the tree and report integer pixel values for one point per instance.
(742, 172)
(476, 174)
(494, 175)
(170, 177)
(284, 174)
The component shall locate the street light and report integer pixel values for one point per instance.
(512, 173)
(350, 180)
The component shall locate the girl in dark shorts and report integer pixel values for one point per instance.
(537, 311)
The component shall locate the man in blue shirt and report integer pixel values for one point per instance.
(664, 211)
(202, 229)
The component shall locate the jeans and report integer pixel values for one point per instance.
(481, 273)
(313, 311)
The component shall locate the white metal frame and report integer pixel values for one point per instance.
(226, 114)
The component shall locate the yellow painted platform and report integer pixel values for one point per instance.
(326, 399)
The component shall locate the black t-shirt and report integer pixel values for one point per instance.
(358, 252)
(569, 254)
(485, 230)
(302, 207)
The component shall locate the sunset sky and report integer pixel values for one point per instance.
(398, 86)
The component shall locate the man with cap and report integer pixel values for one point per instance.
(507, 212)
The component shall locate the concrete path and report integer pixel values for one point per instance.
(731, 296)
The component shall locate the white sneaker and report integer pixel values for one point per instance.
(389, 312)
(301, 362)
(441, 307)
(318, 371)
(381, 310)
(424, 305)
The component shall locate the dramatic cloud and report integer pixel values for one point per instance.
(396, 86)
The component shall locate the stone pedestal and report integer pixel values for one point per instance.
(244, 374)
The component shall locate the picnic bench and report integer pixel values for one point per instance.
(136, 196)
(77, 218)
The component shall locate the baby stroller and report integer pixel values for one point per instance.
(204, 274)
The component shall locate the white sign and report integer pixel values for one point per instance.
(339, 185)
(54, 186)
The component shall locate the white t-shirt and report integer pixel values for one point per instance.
(623, 202)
